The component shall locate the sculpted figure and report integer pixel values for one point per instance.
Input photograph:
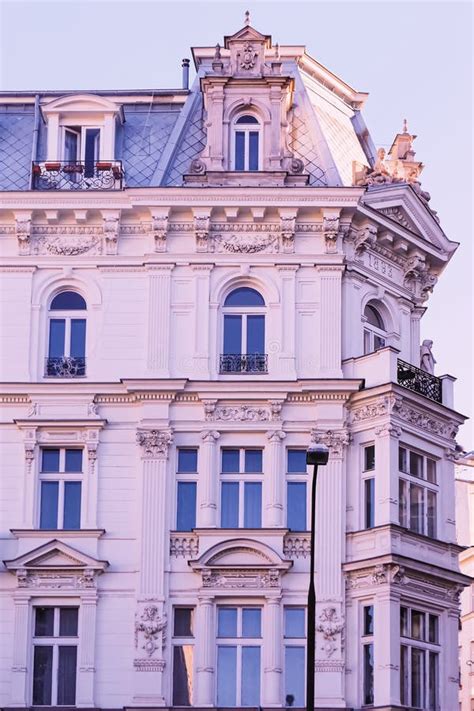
(427, 361)
(379, 165)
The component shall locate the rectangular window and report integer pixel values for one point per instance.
(296, 461)
(186, 509)
(186, 489)
(368, 620)
(241, 488)
(60, 495)
(296, 506)
(183, 656)
(295, 654)
(369, 503)
(239, 150)
(295, 624)
(55, 656)
(419, 655)
(369, 458)
(368, 674)
(57, 331)
(253, 150)
(238, 661)
(417, 492)
(232, 334)
(78, 338)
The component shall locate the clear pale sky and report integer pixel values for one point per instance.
(414, 58)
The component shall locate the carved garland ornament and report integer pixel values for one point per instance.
(147, 628)
(330, 625)
(241, 413)
(243, 244)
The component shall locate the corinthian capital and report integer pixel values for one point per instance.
(154, 443)
(335, 440)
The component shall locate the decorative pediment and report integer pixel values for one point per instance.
(401, 206)
(81, 103)
(241, 563)
(56, 565)
(247, 34)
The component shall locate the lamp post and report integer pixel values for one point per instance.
(317, 456)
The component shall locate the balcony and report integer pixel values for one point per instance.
(419, 381)
(249, 363)
(65, 367)
(78, 175)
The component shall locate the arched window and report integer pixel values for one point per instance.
(67, 336)
(374, 329)
(246, 143)
(244, 332)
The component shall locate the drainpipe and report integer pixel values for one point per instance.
(34, 147)
(185, 65)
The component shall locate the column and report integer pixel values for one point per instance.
(330, 328)
(387, 649)
(415, 319)
(19, 679)
(274, 481)
(150, 619)
(90, 481)
(205, 652)
(29, 478)
(288, 320)
(448, 683)
(202, 274)
(330, 552)
(272, 654)
(386, 478)
(159, 310)
(85, 681)
(208, 481)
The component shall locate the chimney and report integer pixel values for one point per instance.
(185, 65)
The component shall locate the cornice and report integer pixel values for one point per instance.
(21, 533)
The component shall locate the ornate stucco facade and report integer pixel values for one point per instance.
(465, 529)
(196, 285)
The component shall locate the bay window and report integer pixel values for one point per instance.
(368, 482)
(368, 655)
(418, 492)
(419, 659)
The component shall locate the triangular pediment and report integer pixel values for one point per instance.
(399, 206)
(247, 34)
(54, 555)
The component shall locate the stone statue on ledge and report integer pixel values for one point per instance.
(427, 361)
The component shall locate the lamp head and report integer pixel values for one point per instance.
(318, 454)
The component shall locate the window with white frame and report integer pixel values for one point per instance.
(241, 488)
(246, 143)
(183, 655)
(295, 655)
(186, 486)
(419, 659)
(55, 642)
(418, 492)
(239, 639)
(244, 332)
(368, 484)
(67, 335)
(60, 488)
(81, 145)
(374, 329)
(296, 490)
(367, 655)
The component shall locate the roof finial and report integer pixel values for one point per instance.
(405, 126)
(247, 18)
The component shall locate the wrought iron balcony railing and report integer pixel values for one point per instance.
(419, 381)
(78, 175)
(66, 367)
(244, 363)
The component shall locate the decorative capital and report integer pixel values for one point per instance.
(276, 436)
(159, 226)
(335, 440)
(23, 233)
(331, 231)
(202, 226)
(388, 430)
(210, 436)
(111, 227)
(287, 231)
(154, 443)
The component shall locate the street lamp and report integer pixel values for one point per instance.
(317, 456)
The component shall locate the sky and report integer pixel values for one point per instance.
(414, 58)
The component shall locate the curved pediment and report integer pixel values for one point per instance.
(79, 103)
(240, 553)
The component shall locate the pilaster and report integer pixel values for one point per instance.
(207, 489)
(205, 656)
(272, 654)
(274, 509)
(330, 321)
(150, 618)
(85, 686)
(19, 675)
(202, 273)
(287, 359)
(387, 649)
(386, 482)
(159, 309)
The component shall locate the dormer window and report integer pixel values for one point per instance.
(82, 145)
(246, 143)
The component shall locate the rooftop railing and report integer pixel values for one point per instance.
(78, 175)
(419, 381)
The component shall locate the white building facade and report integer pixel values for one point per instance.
(465, 529)
(197, 285)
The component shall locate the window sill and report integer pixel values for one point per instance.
(57, 532)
